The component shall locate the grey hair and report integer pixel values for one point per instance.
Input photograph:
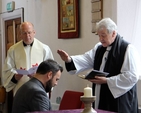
(106, 23)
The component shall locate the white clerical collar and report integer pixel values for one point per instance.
(108, 48)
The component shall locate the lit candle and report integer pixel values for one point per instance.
(88, 92)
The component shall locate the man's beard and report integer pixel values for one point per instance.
(48, 86)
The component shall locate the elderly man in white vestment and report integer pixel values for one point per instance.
(24, 54)
(117, 91)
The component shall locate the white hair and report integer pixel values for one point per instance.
(106, 23)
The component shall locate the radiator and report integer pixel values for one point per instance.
(55, 106)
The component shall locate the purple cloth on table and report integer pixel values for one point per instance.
(70, 111)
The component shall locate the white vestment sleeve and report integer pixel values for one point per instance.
(130, 72)
(84, 62)
(47, 52)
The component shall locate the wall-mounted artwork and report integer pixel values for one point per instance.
(68, 24)
(97, 13)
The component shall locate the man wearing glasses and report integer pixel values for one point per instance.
(25, 54)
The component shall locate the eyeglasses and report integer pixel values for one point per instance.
(29, 33)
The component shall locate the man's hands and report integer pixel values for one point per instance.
(98, 80)
(30, 76)
(18, 76)
(64, 56)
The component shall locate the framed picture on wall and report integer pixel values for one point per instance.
(68, 24)
(97, 13)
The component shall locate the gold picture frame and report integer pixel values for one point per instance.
(68, 24)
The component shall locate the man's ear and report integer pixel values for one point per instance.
(34, 32)
(49, 75)
(114, 34)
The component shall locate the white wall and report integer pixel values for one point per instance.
(129, 22)
(44, 15)
(128, 19)
(110, 11)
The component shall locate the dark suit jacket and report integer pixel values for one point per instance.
(31, 97)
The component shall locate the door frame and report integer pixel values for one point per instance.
(7, 16)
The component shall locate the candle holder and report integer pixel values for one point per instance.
(88, 104)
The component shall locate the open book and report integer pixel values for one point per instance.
(92, 74)
(27, 72)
